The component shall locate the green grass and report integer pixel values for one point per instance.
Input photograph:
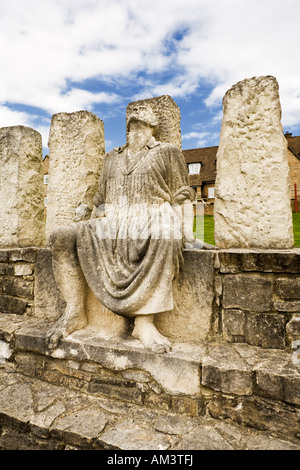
(296, 224)
(207, 225)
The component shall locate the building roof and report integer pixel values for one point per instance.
(293, 144)
(46, 165)
(207, 156)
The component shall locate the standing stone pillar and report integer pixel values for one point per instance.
(76, 151)
(21, 188)
(252, 195)
(168, 115)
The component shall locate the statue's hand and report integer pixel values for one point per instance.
(98, 212)
(195, 244)
(82, 212)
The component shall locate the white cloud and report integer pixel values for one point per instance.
(194, 135)
(201, 139)
(172, 46)
(242, 39)
(229, 40)
(9, 117)
(13, 118)
(77, 99)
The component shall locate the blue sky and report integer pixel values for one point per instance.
(99, 55)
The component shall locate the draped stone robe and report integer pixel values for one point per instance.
(131, 256)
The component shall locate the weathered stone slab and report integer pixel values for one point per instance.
(80, 427)
(8, 325)
(266, 330)
(260, 442)
(280, 381)
(168, 116)
(204, 438)
(3, 256)
(223, 369)
(236, 260)
(260, 413)
(177, 372)
(133, 435)
(18, 287)
(17, 402)
(21, 188)
(289, 288)
(286, 306)
(171, 424)
(6, 269)
(233, 325)
(253, 293)
(252, 194)
(12, 305)
(22, 254)
(76, 151)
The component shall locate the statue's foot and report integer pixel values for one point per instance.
(73, 319)
(54, 335)
(146, 332)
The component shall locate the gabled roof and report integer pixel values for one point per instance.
(294, 145)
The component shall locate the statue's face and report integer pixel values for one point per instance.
(143, 114)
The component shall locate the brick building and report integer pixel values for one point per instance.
(202, 168)
(294, 164)
(202, 174)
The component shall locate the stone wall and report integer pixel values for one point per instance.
(17, 281)
(238, 296)
(259, 297)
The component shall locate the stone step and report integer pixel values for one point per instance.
(250, 386)
(37, 415)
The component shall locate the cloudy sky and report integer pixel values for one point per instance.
(99, 55)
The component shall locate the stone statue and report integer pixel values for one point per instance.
(130, 251)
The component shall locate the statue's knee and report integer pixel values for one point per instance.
(62, 239)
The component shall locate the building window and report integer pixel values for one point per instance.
(46, 178)
(194, 168)
(211, 193)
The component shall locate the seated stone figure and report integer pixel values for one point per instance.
(130, 251)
